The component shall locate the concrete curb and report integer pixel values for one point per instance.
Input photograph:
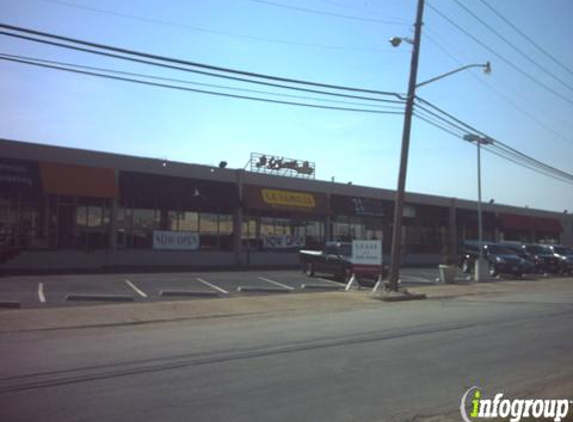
(257, 289)
(188, 293)
(320, 287)
(100, 298)
(10, 304)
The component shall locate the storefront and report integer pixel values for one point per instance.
(55, 206)
(283, 220)
(64, 208)
(151, 203)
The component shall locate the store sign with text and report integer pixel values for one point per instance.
(169, 240)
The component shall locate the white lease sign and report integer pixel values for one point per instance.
(367, 252)
(163, 239)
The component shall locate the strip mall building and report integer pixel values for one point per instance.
(71, 209)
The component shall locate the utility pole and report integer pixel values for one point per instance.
(399, 202)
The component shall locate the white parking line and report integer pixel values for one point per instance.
(328, 281)
(134, 287)
(212, 286)
(41, 293)
(276, 283)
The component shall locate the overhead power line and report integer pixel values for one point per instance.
(200, 91)
(502, 57)
(31, 60)
(188, 62)
(201, 72)
(513, 46)
(210, 31)
(524, 35)
(336, 15)
(456, 127)
(430, 36)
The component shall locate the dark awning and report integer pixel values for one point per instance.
(529, 223)
(271, 199)
(150, 190)
(357, 206)
(516, 222)
(20, 176)
(75, 180)
(547, 225)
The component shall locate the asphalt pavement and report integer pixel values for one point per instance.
(44, 291)
(370, 362)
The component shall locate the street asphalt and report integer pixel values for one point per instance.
(375, 361)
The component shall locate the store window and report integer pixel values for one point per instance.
(92, 224)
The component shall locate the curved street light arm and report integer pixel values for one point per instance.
(486, 68)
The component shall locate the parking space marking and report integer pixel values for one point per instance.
(41, 295)
(200, 280)
(276, 283)
(134, 287)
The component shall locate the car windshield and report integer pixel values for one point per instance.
(538, 249)
(561, 250)
(499, 250)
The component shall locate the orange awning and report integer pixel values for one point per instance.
(75, 180)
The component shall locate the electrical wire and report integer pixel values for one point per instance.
(512, 45)
(187, 62)
(497, 146)
(209, 31)
(430, 35)
(200, 72)
(200, 91)
(498, 153)
(501, 57)
(140, 75)
(524, 35)
(319, 12)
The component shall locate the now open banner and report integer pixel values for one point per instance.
(163, 239)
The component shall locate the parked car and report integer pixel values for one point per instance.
(531, 264)
(565, 256)
(501, 260)
(336, 259)
(544, 257)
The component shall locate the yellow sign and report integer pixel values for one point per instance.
(289, 199)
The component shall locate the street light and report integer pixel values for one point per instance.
(479, 140)
(408, 112)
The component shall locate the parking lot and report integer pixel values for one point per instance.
(81, 289)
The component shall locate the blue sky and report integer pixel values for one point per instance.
(57, 108)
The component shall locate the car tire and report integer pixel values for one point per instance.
(492, 272)
(309, 269)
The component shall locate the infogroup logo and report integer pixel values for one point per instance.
(514, 409)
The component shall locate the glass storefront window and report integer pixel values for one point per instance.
(188, 221)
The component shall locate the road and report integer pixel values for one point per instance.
(376, 362)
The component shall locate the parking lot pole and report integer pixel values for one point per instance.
(400, 192)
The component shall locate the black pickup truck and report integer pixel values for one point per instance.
(336, 260)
